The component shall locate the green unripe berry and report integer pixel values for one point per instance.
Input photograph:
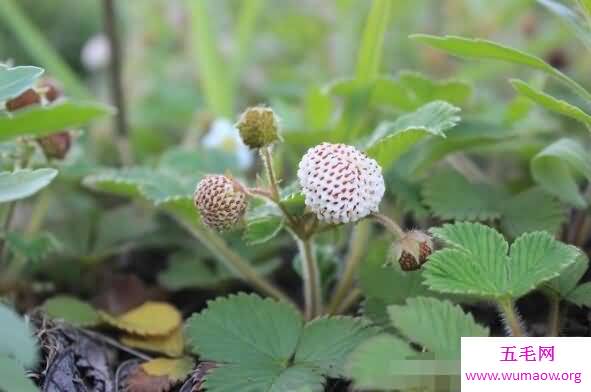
(258, 127)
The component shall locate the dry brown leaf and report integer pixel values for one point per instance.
(150, 319)
(172, 345)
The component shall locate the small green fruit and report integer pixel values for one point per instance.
(258, 127)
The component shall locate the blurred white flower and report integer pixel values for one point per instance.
(96, 53)
(223, 135)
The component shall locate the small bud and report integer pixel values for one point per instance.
(221, 200)
(258, 127)
(28, 98)
(51, 89)
(413, 250)
(55, 146)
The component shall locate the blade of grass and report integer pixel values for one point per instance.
(212, 70)
(369, 56)
(247, 19)
(40, 49)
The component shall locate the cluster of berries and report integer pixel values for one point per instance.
(340, 185)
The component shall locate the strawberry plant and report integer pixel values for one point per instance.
(273, 201)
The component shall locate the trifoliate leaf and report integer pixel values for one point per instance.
(435, 324)
(451, 196)
(392, 139)
(16, 338)
(24, 183)
(171, 345)
(262, 345)
(370, 364)
(550, 103)
(150, 319)
(72, 311)
(326, 342)
(581, 295)
(483, 49)
(245, 328)
(556, 169)
(16, 80)
(45, 120)
(476, 261)
(13, 378)
(531, 210)
(175, 369)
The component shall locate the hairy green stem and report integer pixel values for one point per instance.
(554, 316)
(511, 317)
(5, 227)
(233, 261)
(311, 276)
(389, 224)
(359, 241)
(268, 162)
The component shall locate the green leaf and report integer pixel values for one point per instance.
(33, 248)
(476, 263)
(185, 270)
(262, 229)
(326, 342)
(536, 257)
(570, 277)
(370, 364)
(483, 49)
(549, 102)
(451, 196)
(13, 377)
(436, 325)
(245, 329)
(531, 210)
(412, 90)
(369, 57)
(271, 378)
(24, 183)
(45, 120)
(581, 296)
(555, 168)
(266, 344)
(386, 285)
(14, 81)
(72, 311)
(16, 338)
(392, 139)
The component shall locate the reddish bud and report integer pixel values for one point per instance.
(28, 98)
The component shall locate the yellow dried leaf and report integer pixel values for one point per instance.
(149, 319)
(175, 369)
(171, 345)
